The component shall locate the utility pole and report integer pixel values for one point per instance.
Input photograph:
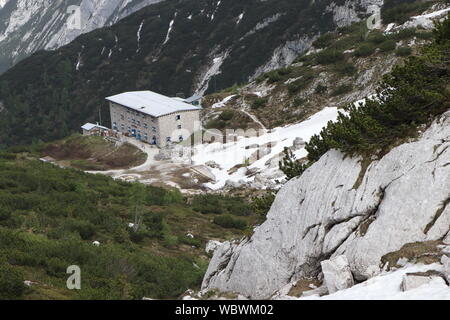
(100, 114)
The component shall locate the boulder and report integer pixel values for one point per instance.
(341, 207)
(411, 281)
(212, 246)
(298, 144)
(337, 274)
(164, 154)
(320, 291)
(213, 164)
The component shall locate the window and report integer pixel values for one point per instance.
(179, 127)
(154, 129)
(122, 126)
(180, 138)
(145, 125)
(122, 117)
(178, 117)
(146, 137)
(169, 139)
(138, 123)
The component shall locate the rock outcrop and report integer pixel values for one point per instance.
(359, 208)
(337, 274)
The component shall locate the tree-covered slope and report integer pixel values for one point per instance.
(171, 47)
(50, 217)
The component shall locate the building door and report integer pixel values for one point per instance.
(133, 132)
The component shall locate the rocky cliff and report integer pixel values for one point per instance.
(27, 26)
(359, 208)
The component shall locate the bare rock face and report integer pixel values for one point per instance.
(341, 207)
(212, 246)
(337, 274)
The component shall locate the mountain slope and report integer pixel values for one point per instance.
(171, 47)
(29, 26)
(377, 185)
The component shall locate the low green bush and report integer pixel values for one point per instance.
(342, 89)
(346, 69)
(320, 89)
(388, 45)
(329, 56)
(259, 103)
(230, 222)
(324, 40)
(11, 282)
(227, 115)
(403, 51)
(364, 50)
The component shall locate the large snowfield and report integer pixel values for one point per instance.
(387, 287)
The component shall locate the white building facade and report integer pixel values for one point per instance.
(154, 118)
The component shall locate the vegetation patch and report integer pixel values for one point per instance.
(95, 153)
(418, 252)
(50, 217)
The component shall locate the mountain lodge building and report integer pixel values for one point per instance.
(154, 118)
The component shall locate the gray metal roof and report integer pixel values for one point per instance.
(151, 103)
(193, 98)
(89, 126)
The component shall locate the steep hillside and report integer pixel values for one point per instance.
(374, 196)
(171, 47)
(29, 26)
(130, 241)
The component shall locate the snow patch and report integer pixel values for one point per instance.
(139, 36)
(223, 103)
(170, 29)
(387, 286)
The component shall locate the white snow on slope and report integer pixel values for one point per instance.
(230, 154)
(2, 3)
(214, 69)
(170, 29)
(387, 286)
(139, 36)
(241, 16)
(223, 102)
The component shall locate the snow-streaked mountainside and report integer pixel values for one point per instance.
(170, 47)
(30, 25)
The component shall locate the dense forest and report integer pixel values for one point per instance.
(152, 240)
